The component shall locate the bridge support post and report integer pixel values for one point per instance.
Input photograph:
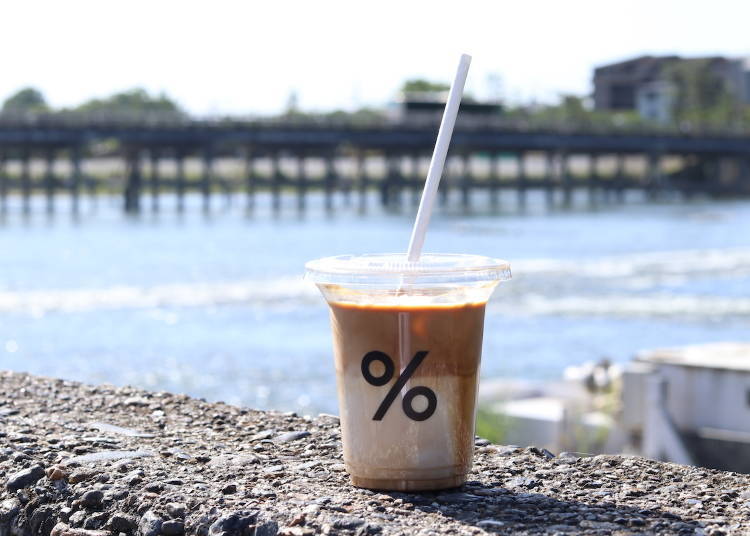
(606, 181)
(207, 177)
(133, 182)
(362, 181)
(445, 185)
(250, 179)
(686, 177)
(331, 180)
(417, 181)
(549, 180)
(75, 179)
(3, 184)
(49, 180)
(654, 175)
(302, 182)
(736, 175)
(592, 179)
(522, 183)
(399, 181)
(620, 178)
(26, 181)
(346, 189)
(465, 160)
(180, 179)
(154, 180)
(391, 187)
(494, 180)
(743, 186)
(275, 182)
(707, 172)
(567, 180)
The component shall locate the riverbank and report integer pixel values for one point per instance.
(79, 460)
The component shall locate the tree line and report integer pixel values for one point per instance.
(137, 101)
(701, 100)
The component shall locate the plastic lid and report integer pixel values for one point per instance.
(389, 269)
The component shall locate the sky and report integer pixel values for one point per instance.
(222, 57)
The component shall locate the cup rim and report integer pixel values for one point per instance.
(382, 268)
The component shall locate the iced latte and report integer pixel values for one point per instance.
(407, 346)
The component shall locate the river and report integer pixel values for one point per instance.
(214, 306)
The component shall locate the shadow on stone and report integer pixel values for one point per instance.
(495, 508)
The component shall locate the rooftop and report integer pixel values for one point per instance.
(721, 356)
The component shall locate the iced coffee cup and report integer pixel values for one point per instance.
(407, 340)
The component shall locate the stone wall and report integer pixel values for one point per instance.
(78, 460)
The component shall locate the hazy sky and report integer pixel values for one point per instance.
(218, 56)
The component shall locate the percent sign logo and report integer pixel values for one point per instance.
(410, 395)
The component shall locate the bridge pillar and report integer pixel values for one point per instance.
(400, 180)
(3, 184)
(416, 179)
(75, 179)
(592, 179)
(567, 180)
(207, 177)
(154, 179)
(300, 160)
(26, 181)
(250, 179)
(49, 180)
(331, 180)
(344, 182)
(445, 184)
(549, 179)
(275, 182)
(391, 187)
(620, 178)
(494, 180)
(708, 172)
(743, 186)
(465, 160)
(180, 179)
(133, 181)
(605, 181)
(522, 181)
(654, 178)
(362, 180)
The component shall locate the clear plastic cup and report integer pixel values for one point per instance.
(407, 340)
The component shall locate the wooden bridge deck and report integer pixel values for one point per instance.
(711, 164)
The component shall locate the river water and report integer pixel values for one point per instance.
(214, 306)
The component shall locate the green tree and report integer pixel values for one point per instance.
(26, 100)
(701, 96)
(420, 85)
(571, 110)
(574, 112)
(361, 116)
(134, 102)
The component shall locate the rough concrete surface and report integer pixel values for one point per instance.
(79, 460)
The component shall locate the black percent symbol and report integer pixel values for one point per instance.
(410, 395)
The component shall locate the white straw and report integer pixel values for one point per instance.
(438, 160)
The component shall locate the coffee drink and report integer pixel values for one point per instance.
(424, 439)
(407, 338)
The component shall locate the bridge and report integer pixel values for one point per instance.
(391, 157)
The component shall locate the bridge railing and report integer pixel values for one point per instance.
(529, 123)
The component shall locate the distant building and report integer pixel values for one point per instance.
(641, 84)
(690, 405)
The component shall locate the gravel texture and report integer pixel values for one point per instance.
(78, 460)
